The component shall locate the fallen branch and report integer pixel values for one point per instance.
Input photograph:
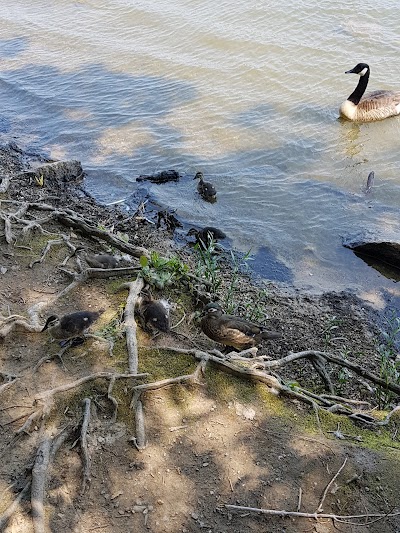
(72, 220)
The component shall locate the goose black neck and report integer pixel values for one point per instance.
(358, 92)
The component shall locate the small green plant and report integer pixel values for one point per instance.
(332, 326)
(208, 264)
(255, 310)
(389, 367)
(160, 272)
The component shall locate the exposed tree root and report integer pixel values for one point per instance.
(192, 378)
(9, 379)
(46, 453)
(315, 516)
(134, 288)
(6, 516)
(39, 476)
(277, 385)
(112, 399)
(7, 324)
(321, 503)
(47, 396)
(139, 440)
(84, 445)
(4, 184)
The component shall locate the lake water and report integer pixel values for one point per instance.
(246, 91)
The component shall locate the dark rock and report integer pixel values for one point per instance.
(56, 172)
(161, 177)
(384, 256)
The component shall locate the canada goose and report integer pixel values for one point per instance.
(154, 313)
(205, 188)
(373, 106)
(71, 326)
(233, 330)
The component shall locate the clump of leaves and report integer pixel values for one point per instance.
(160, 271)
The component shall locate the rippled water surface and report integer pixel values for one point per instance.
(246, 91)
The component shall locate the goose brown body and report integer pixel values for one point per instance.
(377, 105)
(232, 330)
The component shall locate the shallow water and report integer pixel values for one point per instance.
(247, 92)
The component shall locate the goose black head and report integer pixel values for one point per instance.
(360, 68)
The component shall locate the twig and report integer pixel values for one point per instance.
(320, 508)
(84, 446)
(299, 500)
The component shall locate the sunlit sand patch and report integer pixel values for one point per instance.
(122, 140)
(375, 298)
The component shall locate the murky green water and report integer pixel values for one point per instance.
(246, 91)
